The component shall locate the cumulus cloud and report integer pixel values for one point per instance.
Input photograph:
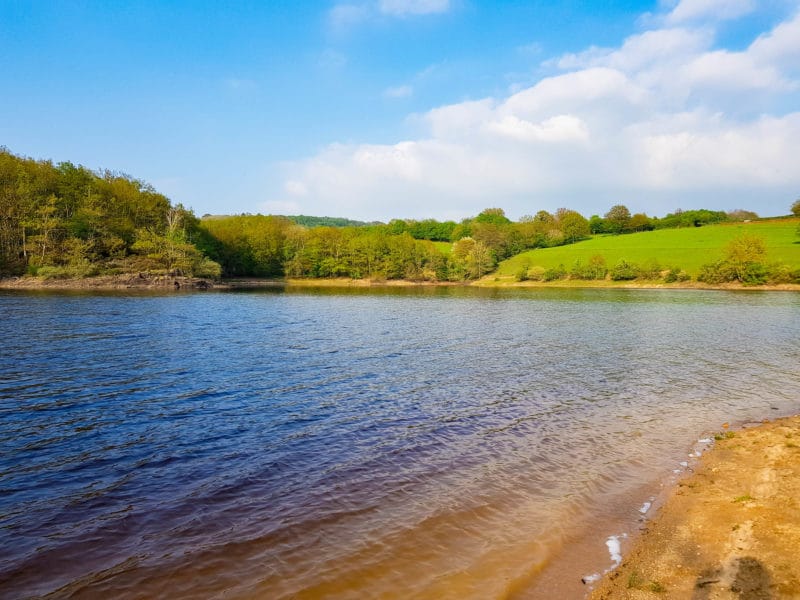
(664, 118)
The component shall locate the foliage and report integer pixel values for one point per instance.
(743, 262)
(572, 225)
(688, 248)
(309, 221)
(675, 274)
(495, 216)
(691, 218)
(428, 229)
(649, 269)
(624, 271)
(596, 225)
(640, 222)
(594, 269)
(795, 208)
(67, 221)
(617, 219)
(742, 215)
(554, 273)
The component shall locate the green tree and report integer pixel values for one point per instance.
(573, 225)
(617, 219)
(640, 222)
(495, 216)
(596, 224)
(796, 208)
(745, 255)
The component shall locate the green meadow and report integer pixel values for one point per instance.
(686, 248)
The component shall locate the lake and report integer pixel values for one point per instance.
(361, 443)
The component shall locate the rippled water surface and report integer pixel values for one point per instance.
(411, 443)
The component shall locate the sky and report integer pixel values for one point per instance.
(381, 109)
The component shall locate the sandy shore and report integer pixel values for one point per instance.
(144, 281)
(165, 282)
(730, 530)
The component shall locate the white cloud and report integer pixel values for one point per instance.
(717, 10)
(780, 46)
(402, 8)
(400, 91)
(732, 70)
(561, 128)
(664, 118)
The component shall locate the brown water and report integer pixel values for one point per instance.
(435, 443)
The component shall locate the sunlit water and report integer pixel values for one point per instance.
(412, 443)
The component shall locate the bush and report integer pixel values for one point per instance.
(554, 274)
(50, 272)
(720, 271)
(207, 268)
(651, 269)
(725, 271)
(624, 271)
(754, 274)
(595, 269)
(676, 274)
(779, 273)
(536, 273)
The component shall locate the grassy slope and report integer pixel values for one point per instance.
(687, 248)
(444, 247)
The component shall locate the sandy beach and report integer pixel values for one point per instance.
(729, 530)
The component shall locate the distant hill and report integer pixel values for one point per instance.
(685, 248)
(310, 221)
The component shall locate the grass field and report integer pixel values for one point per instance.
(687, 248)
(444, 247)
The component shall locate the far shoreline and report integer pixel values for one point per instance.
(142, 281)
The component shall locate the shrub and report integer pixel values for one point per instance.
(754, 274)
(206, 267)
(50, 272)
(536, 273)
(651, 269)
(676, 274)
(624, 271)
(782, 273)
(595, 269)
(720, 271)
(553, 274)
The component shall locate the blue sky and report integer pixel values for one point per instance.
(376, 109)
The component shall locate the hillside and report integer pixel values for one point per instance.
(687, 248)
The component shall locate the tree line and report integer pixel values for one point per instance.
(270, 246)
(68, 221)
(63, 220)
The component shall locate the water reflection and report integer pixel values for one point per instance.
(314, 443)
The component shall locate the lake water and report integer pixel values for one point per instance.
(398, 443)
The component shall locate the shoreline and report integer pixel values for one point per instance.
(728, 529)
(144, 281)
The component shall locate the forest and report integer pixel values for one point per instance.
(66, 221)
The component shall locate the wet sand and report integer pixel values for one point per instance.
(730, 530)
